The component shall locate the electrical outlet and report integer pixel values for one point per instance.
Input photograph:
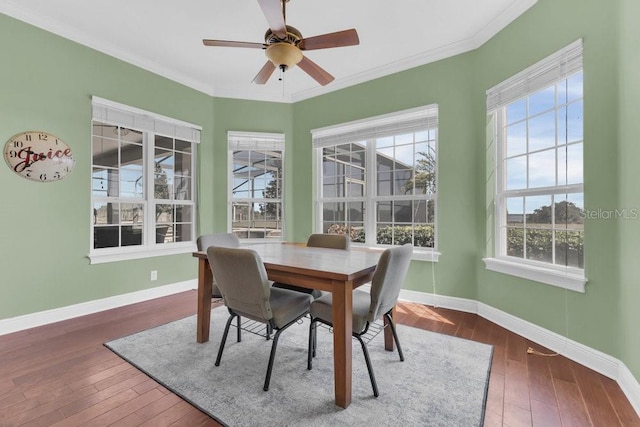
(154, 274)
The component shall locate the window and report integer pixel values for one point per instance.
(256, 195)
(376, 180)
(143, 181)
(539, 198)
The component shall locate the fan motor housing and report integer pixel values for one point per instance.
(293, 36)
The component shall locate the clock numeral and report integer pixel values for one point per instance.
(56, 175)
(43, 177)
(18, 144)
(13, 154)
(27, 137)
(28, 173)
(43, 136)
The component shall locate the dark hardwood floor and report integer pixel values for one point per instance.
(62, 375)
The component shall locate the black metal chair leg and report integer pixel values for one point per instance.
(395, 335)
(239, 333)
(272, 356)
(269, 332)
(369, 367)
(224, 339)
(311, 349)
(315, 339)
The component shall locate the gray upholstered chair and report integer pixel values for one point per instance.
(330, 241)
(225, 240)
(367, 307)
(246, 291)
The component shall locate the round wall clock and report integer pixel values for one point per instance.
(38, 156)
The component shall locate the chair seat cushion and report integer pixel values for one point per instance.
(322, 308)
(287, 305)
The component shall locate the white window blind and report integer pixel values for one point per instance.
(406, 121)
(255, 141)
(546, 72)
(106, 111)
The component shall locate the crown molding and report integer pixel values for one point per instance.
(515, 9)
(11, 9)
(389, 69)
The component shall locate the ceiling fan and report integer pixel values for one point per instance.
(284, 44)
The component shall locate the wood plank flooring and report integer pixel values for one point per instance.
(62, 375)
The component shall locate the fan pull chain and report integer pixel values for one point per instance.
(282, 80)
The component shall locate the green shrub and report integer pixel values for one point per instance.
(422, 235)
(569, 246)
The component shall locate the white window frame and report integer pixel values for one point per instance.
(240, 140)
(552, 69)
(150, 124)
(411, 120)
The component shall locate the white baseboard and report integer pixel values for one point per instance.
(33, 320)
(629, 386)
(580, 353)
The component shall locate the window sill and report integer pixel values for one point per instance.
(124, 254)
(568, 278)
(430, 256)
(249, 242)
(418, 255)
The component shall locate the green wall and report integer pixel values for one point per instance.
(603, 317)
(248, 116)
(49, 83)
(578, 315)
(448, 84)
(628, 178)
(46, 83)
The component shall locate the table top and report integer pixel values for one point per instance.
(320, 262)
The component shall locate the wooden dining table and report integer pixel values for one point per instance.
(331, 270)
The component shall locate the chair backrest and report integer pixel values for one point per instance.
(332, 241)
(225, 240)
(242, 279)
(388, 279)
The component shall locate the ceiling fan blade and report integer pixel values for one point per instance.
(272, 10)
(337, 39)
(264, 73)
(229, 43)
(315, 71)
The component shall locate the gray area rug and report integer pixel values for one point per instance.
(442, 382)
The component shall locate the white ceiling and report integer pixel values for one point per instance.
(165, 37)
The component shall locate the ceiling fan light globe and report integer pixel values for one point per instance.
(284, 54)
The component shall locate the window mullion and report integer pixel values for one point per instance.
(543, 191)
(500, 202)
(149, 193)
(370, 193)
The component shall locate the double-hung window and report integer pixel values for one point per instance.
(376, 180)
(256, 165)
(142, 183)
(539, 197)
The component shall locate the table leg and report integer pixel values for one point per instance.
(205, 279)
(388, 335)
(342, 328)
